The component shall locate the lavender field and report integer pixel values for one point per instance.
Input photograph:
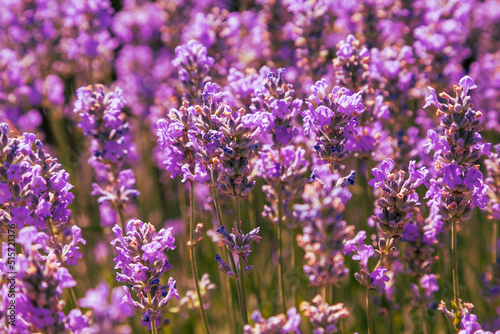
(255, 166)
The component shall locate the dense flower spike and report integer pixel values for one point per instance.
(239, 246)
(108, 316)
(280, 111)
(460, 186)
(111, 146)
(332, 118)
(324, 318)
(34, 188)
(324, 233)
(143, 263)
(176, 141)
(276, 324)
(289, 173)
(39, 282)
(194, 66)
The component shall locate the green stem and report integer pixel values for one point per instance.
(323, 293)
(280, 246)
(424, 319)
(454, 270)
(153, 320)
(238, 213)
(242, 288)
(294, 272)
(192, 257)
(368, 312)
(217, 206)
(227, 284)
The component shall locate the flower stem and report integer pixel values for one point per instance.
(153, 320)
(294, 272)
(227, 284)
(368, 312)
(494, 243)
(192, 257)
(280, 247)
(424, 319)
(454, 270)
(242, 288)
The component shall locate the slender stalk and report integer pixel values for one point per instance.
(227, 284)
(243, 297)
(238, 213)
(323, 293)
(293, 249)
(192, 257)
(368, 312)
(153, 320)
(494, 243)
(280, 247)
(424, 319)
(454, 270)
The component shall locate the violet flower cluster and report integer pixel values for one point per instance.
(111, 147)
(277, 324)
(143, 263)
(286, 169)
(34, 189)
(332, 118)
(238, 245)
(459, 186)
(279, 109)
(35, 195)
(108, 311)
(324, 317)
(324, 231)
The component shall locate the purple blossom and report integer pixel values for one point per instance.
(364, 254)
(379, 277)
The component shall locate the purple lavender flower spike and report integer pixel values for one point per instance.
(142, 261)
(277, 324)
(332, 119)
(112, 149)
(324, 232)
(324, 318)
(456, 151)
(194, 66)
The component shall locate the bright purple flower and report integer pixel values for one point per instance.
(364, 254)
(379, 277)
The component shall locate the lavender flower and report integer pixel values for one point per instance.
(332, 118)
(175, 136)
(107, 316)
(190, 300)
(112, 150)
(34, 189)
(399, 197)
(39, 284)
(239, 246)
(275, 101)
(324, 233)
(194, 66)
(276, 324)
(143, 263)
(324, 318)
(287, 173)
